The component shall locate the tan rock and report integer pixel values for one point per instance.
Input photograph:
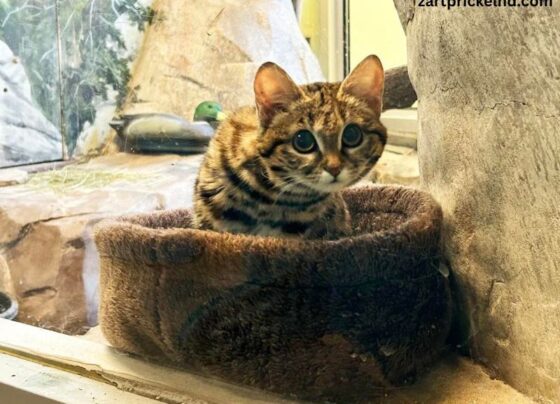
(47, 231)
(151, 176)
(211, 50)
(489, 107)
(12, 176)
(46, 267)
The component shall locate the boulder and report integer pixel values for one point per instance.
(26, 136)
(399, 92)
(51, 262)
(46, 270)
(211, 50)
(488, 85)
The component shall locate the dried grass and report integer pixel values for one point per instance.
(76, 177)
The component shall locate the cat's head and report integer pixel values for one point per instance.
(325, 136)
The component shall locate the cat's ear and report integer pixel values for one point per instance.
(274, 91)
(366, 82)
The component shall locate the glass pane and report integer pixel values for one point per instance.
(125, 82)
(29, 83)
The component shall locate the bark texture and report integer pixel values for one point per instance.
(488, 84)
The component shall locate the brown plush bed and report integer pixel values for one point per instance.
(337, 320)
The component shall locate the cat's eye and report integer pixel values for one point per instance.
(352, 136)
(304, 141)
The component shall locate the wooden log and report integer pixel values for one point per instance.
(399, 92)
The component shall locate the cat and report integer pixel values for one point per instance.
(277, 169)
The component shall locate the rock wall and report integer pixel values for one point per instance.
(48, 260)
(488, 84)
(211, 49)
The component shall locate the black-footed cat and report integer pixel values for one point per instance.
(276, 169)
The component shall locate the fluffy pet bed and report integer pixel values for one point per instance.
(314, 319)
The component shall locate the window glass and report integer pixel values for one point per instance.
(64, 68)
(112, 89)
(30, 114)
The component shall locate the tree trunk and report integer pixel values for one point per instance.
(488, 85)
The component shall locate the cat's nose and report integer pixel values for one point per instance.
(333, 169)
(333, 164)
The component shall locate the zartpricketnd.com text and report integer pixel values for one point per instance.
(449, 4)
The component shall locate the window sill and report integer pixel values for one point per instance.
(402, 126)
(24, 381)
(96, 368)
